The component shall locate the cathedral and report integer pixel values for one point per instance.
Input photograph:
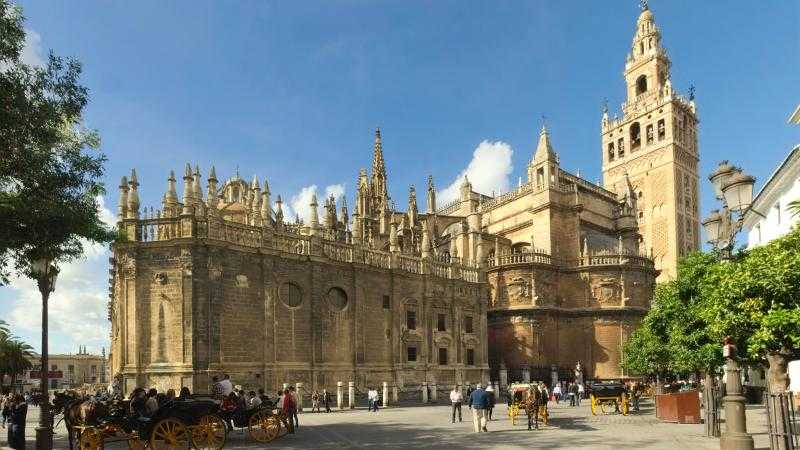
(516, 286)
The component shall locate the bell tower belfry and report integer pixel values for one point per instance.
(654, 145)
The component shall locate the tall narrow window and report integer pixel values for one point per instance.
(621, 148)
(662, 130)
(468, 324)
(650, 135)
(470, 357)
(411, 354)
(387, 303)
(441, 322)
(411, 320)
(641, 82)
(162, 334)
(611, 154)
(636, 136)
(442, 356)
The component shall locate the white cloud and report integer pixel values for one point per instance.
(301, 202)
(77, 312)
(32, 51)
(489, 170)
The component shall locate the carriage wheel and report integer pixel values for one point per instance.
(594, 405)
(209, 433)
(624, 405)
(169, 434)
(263, 426)
(91, 439)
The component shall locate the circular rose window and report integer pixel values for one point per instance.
(291, 295)
(337, 298)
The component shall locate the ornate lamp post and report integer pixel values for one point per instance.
(735, 190)
(45, 274)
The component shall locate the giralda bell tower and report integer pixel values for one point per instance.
(653, 146)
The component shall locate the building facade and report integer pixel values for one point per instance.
(654, 146)
(769, 217)
(516, 286)
(67, 371)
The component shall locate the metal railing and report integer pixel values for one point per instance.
(782, 422)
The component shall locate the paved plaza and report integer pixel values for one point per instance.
(430, 427)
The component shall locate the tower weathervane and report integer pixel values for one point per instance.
(643, 5)
(691, 92)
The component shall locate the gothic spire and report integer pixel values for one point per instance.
(431, 196)
(378, 171)
(544, 150)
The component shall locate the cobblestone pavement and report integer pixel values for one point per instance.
(430, 427)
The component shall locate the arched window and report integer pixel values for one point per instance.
(641, 85)
(636, 136)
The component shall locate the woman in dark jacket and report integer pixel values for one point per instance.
(16, 427)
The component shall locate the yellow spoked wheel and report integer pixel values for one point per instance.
(209, 433)
(594, 405)
(624, 405)
(91, 439)
(170, 434)
(263, 426)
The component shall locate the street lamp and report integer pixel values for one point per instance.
(735, 190)
(45, 274)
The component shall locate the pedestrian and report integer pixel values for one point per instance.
(573, 393)
(151, 404)
(557, 392)
(226, 384)
(6, 399)
(16, 424)
(296, 406)
(455, 400)
(326, 398)
(491, 402)
(478, 402)
(289, 410)
(315, 401)
(579, 397)
(373, 397)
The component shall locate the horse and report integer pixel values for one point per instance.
(531, 404)
(77, 410)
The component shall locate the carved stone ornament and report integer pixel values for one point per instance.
(605, 290)
(242, 281)
(160, 278)
(519, 291)
(214, 273)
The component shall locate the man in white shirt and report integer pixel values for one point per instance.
(227, 386)
(456, 399)
(372, 396)
(254, 402)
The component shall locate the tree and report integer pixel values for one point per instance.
(14, 355)
(674, 337)
(50, 167)
(756, 300)
(794, 207)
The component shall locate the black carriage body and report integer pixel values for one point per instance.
(608, 390)
(189, 411)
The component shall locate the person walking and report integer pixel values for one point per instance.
(372, 397)
(315, 401)
(455, 400)
(491, 402)
(579, 397)
(287, 405)
(478, 402)
(326, 398)
(295, 407)
(557, 393)
(6, 405)
(573, 393)
(16, 425)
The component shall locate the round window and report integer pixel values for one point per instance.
(291, 295)
(337, 298)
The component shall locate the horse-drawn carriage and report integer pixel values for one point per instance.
(605, 394)
(527, 397)
(194, 422)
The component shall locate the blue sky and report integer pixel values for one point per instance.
(292, 91)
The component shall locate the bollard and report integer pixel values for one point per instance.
(434, 392)
(339, 395)
(425, 392)
(351, 394)
(395, 394)
(299, 389)
(385, 394)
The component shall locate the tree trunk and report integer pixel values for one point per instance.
(711, 421)
(777, 383)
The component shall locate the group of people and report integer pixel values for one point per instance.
(323, 397)
(14, 412)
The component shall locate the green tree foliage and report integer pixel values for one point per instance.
(49, 164)
(14, 355)
(756, 299)
(794, 207)
(674, 337)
